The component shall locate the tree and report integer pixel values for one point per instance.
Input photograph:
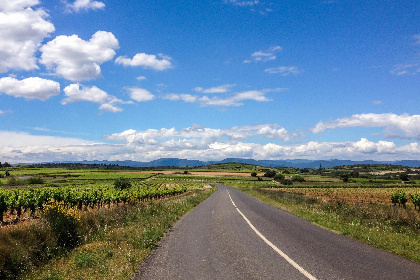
(122, 183)
(6, 164)
(404, 177)
(270, 173)
(297, 178)
(279, 177)
(254, 174)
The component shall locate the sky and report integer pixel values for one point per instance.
(209, 80)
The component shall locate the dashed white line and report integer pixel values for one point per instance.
(274, 247)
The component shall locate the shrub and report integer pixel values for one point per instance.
(287, 182)
(254, 174)
(415, 198)
(399, 197)
(35, 180)
(297, 178)
(64, 222)
(270, 173)
(279, 177)
(122, 183)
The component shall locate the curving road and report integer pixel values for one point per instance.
(231, 235)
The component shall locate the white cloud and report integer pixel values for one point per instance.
(396, 126)
(200, 136)
(141, 78)
(264, 56)
(92, 94)
(405, 69)
(284, 70)
(30, 88)
(195, 142)
(140, 94)
(22, 29)
(146, 61)
(218, 89)
(242, 3)
(77, 60)
(234, 99)
(184, 97)
(86, 5)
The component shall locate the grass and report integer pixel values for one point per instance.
(391, 228)
(117, 240)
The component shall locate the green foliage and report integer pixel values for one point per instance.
(279, 177)
(122, 183)
(270, 173)
(84, 259)
(64, 222)
(415, 198)
(399, 197)
(287, 182)
(35, 180)
(345, 177)
(254, 174)
(297, 178)
(404, 177)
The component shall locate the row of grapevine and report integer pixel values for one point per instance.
(401, 198)
(32, 199)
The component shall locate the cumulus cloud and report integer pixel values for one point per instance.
(184, 97)
(265, 55)
(195, 142)
(140, 94)
(284, 70)
(396, 126)
(146, 61)
(30, 88)
(200, 136)
(80, 5)
(22, 29)
(218, 89)
(78, 60)
(234, 99)
(74, 93)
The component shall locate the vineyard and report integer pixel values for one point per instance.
(25, 194)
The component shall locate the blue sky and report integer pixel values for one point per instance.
(207, 80)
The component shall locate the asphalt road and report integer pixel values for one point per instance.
(231, 235)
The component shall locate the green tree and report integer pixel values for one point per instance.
(270, 173)
(279, 177)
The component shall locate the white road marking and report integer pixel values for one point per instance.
(280, 252)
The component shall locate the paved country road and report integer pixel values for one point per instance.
(231, 235)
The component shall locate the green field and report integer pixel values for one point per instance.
(119, 213)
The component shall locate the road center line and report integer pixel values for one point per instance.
(280, 252)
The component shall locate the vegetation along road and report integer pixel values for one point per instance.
(234, 236)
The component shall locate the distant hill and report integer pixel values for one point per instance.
(297, 163)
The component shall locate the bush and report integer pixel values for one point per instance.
(64, 222)
(399, 197)
(122, 183)
(287, 182)
(279, 177)
(270, 173)
(297, 178)
(254, 174)
(35, 180)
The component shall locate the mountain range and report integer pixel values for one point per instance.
(296, 163)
